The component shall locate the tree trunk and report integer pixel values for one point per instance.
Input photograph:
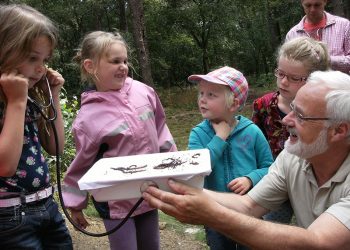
(139, 34)
(273, 25)
(122, 16)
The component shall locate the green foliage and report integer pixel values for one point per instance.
(91, 211)
(69, 110)
(184, 98)
(263, 80)
(184, 37)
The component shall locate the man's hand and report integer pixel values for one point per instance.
(189, 205)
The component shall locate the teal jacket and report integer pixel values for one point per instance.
(245, 152)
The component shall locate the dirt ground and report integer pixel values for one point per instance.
(169, 238)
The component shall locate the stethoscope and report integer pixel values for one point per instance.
(40, 108)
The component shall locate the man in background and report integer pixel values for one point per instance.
(330, 29)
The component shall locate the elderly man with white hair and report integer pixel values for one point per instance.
(313, 172)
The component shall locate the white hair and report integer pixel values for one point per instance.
(338, 98)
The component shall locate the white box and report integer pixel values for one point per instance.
(120, 178)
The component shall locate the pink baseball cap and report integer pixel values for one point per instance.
(226, 76)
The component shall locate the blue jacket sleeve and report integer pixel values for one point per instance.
(264, 158)
(199, 139)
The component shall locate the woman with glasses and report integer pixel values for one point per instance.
(296, 60)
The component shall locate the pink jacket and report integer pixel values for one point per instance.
(131, 121)
(336, 35)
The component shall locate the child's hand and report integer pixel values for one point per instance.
(240, 185)
(222, 129)
(78, 218)
(56, 81)
(14, 86)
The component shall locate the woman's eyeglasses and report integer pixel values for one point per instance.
(292, 79)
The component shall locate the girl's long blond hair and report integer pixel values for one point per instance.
(20, 26)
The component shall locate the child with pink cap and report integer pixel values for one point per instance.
(240, 154)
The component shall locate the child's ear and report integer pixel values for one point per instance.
(235, 105)
(89, 66)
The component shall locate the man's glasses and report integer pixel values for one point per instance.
(292, 79)
(302, 118)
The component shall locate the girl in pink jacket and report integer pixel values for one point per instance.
(123, 117)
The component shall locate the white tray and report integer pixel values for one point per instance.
(120, 178)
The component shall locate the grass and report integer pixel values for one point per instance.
(90, 210)
(180, 123)
(182, 114)
(180, 228)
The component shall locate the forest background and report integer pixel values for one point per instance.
(172, 39)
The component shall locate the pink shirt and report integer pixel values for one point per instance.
(336, 34)
(131, 121)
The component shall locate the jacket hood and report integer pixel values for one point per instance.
(96, 96)
(242, 124)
